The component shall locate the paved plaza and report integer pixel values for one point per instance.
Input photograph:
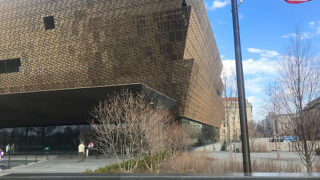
(59, 165)
(71, 165)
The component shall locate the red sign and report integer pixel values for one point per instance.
(296, 1)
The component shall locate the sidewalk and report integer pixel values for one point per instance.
(59, 165)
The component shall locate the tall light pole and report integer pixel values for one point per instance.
(241, 91)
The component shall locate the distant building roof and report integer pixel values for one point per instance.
(230, 99)
(235, 100)
(313, 104)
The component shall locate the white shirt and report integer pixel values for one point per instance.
(81, 148)
(7, 148)
(90, 145)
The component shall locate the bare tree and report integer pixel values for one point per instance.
(129, 126)
(297, 85)
(42, 131)
(253, 131)
(229, 121)
(26, 132)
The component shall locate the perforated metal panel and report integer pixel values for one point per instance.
(164, 44)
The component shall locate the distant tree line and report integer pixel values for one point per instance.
(36, 138)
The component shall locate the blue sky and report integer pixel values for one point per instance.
(266, 28)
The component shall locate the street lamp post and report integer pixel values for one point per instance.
(241, 92)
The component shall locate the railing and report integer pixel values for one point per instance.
(19, 159)
(22, 158)
(26, 157)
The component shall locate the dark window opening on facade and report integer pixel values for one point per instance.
(10, 66)
(149, 51)
(49, 22)
(184, 3)
(173, 57)
(172, 36)
(218, 92)
(175, 36)
(169, 48)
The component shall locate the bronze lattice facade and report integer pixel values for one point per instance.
(167, 45)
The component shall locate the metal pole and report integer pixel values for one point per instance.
(241, 91)
(26, 159)
(9, 158)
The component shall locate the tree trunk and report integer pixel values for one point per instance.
(308, 157)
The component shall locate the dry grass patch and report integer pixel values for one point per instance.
(316, 166)
(259, 148)
(200, 163)
(188, 163)
(276, 166)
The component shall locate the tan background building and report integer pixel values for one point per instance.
(230, 127)
(277, 124)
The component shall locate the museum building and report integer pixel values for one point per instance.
(58, 58)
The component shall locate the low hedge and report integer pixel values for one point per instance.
(141, 167)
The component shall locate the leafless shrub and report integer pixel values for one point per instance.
(130, 128)
(176, 138)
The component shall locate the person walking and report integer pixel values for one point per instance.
(1, 159)
(90, 147)
(81, 151)
(12, 148)
(8, 148)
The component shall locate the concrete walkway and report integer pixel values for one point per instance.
(60, 165)
(71, 165)
(257, 156)
(285, 157)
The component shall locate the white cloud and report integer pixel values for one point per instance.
(312, 23)
(257, 73)
(253, 86)
(251, 99)
(251, 67)
(241, 16)
(228, 68)
(262, 65)
(315, 25)
(289, 35)
(264, 53)
(304, 35)
(218, 4)
(256, 103)
(314, 30)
